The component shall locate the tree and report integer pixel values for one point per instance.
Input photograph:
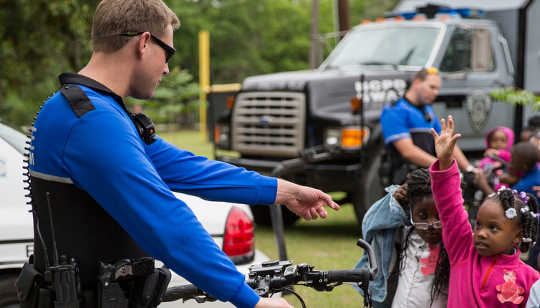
(41, 38)
(38, 37)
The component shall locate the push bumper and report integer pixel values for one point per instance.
(326, 176)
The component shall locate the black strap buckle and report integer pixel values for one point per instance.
(145, 127)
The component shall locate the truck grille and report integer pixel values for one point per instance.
(269, 123)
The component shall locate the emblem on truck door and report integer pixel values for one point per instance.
(265, 121)
(478, 106)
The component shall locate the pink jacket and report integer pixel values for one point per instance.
(503, 154)
(475, 281)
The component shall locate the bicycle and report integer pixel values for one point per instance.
(273, 277)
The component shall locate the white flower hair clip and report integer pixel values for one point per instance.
(501, 189)
(524, 209)
(510, 213)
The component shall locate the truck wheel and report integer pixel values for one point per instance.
(261, 215)
(8, 293)
(370, 189)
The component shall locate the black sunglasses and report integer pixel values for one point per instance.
(169, 51)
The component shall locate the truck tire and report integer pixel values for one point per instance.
(8, 293)
(370, 189)
(261, 215)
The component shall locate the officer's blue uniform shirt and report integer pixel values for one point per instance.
(527, 181)
(402, 119)
(102, 153)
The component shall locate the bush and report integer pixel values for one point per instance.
(175, 101)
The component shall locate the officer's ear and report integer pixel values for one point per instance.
(142, 44)
(415, 83)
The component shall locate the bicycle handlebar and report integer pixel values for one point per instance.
(273, 276)
(348, 276)
(184, 292)
(319, 280)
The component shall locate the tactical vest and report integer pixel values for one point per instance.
(69, 222)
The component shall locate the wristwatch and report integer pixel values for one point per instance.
(469, 168)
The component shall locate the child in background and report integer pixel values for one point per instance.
(524, 165)
(499, 141)
(523, 172)
(526, 133)
(485, 267)
(535, 139)
(405, 232)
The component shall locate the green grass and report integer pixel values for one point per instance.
(325, 243)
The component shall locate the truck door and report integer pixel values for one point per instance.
(472, 65)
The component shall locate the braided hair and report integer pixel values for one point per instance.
(418, 188)
(526, 214)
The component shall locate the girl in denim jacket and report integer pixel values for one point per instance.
(405, 232)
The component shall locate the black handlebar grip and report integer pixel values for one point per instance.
(373, 268)
(358, 275)
(181, 292)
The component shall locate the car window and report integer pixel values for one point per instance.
(469, 50)
(14, 138)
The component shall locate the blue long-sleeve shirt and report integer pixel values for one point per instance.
(102, 154)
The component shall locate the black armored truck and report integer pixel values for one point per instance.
(335, 109)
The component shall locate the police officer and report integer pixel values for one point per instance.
(406, 127)
(101, 180)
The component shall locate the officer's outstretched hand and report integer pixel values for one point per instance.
(304, 201)
(273, 303)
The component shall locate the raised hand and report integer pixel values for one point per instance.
(445, 143)
(401, 195)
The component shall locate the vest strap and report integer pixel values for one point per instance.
(77, 99)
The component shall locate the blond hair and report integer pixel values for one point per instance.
(423, 73)
(113, 17)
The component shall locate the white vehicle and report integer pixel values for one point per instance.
(222, 221)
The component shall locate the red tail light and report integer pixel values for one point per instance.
(238, 242)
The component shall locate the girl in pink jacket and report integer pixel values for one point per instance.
(499, 141)
(485, 269)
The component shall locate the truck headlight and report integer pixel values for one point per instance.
(332, 136)
(349, 137)
(221, 135)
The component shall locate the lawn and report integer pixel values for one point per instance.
(326, 244)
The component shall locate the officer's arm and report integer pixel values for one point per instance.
(413, 153)
(185, 172)
(462, 161)
(396, 131)
(106, 158)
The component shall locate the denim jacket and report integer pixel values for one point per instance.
(380, 226)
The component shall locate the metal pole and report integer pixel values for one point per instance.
(314, 56)
(204, 78)
(279, 231)
(520, 71)
(344, 17)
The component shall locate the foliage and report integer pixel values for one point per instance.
(174, 101)
(256, 37)
(39, 39)
(517, 97)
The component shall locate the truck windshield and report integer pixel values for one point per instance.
(385, 46)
